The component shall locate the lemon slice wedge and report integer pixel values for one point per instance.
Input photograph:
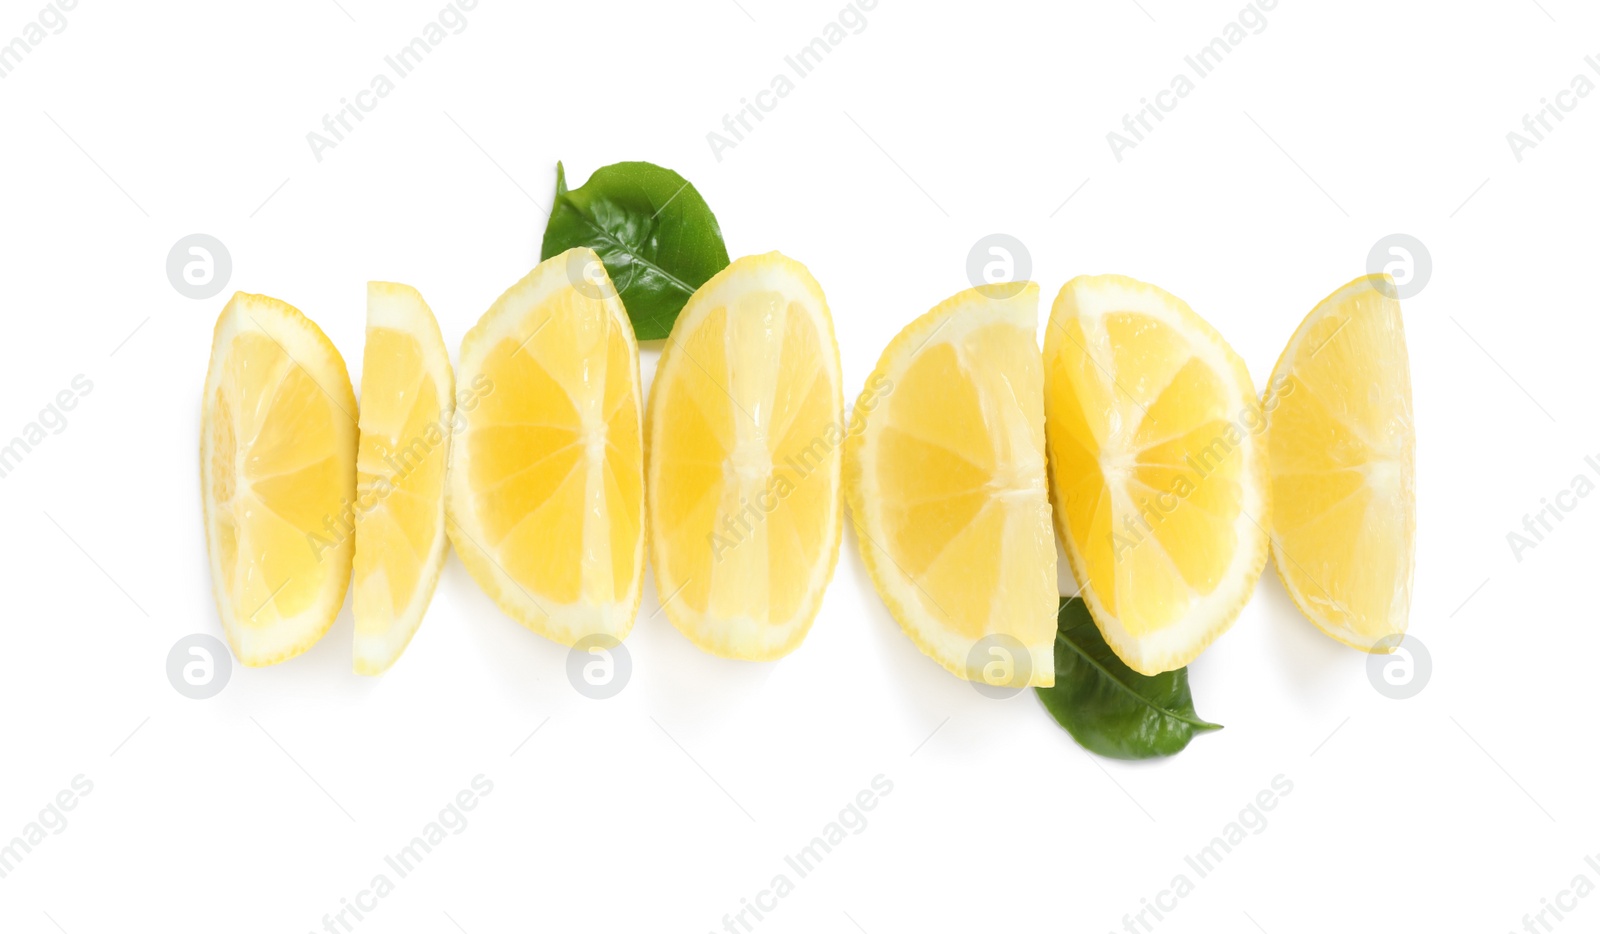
(1343, 456)
(407, 400)
(545, 491)
(946, 483)
(1158, 468)
(744, 445)
(277, 478)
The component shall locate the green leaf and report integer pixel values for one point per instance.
(1108, 707)
(656, 235)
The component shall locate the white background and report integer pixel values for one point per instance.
(262, 808)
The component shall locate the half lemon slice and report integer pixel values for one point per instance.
(744, 436)
(946, 481)
(545, 492)
(1158, 468)
(407, 402)
(1343, 455)
(277, 478)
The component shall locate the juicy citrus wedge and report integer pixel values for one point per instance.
(744, 438)
(1343, 458)
(1157, 465)
(945, 474)
(407, 399)
(545, 491)
(277, 476)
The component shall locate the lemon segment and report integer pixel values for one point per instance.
(945, 476)
(745, 434)
(1158, 468)
(277, 476)
(1343, 457)
(545, 495)
(407, 400)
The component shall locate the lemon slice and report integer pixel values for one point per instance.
(277, 477)
(744, 439)
(945, 473)
(407, 399)
(1158, 468)
(1343, 456)
(545, 491)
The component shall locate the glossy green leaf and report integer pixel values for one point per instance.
(656, 235)
(1108, 707)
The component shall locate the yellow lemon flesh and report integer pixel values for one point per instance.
(407, 400)
(1158, 468)
(277, 475)
(545, 490)
(744, 439)
(945, 474)
(1343, 458)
